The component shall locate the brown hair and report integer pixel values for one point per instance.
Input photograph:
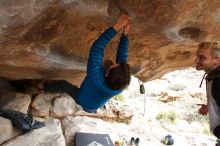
(214, 46)
(119, 77)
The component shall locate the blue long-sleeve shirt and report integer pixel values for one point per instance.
(94, 91)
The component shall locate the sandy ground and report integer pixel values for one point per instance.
(150, 131)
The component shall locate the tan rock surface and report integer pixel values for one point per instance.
(15, 101)
(51, 39)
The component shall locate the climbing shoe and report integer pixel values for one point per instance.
(137, 141)
(22, 121)
(132, 142)
(168, 140)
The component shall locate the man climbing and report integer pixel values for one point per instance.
(208, 59)
(101, 83)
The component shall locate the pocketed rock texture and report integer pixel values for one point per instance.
(51, 38)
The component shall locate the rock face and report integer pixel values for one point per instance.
(51, 134)
(52, 107)
(51, 38)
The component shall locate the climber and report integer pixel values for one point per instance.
(102, 81)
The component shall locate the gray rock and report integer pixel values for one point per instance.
(53, 104)
(41, 104)
(50, 135)
(6, 130)
(15, 101)
(64, 105)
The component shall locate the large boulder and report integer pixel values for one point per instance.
(52, 38)
(53, 104)
(51, 134)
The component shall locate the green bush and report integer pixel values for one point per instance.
(206, 131)
(177, 86)
(119, 97)
(169, 116)
(160, 116)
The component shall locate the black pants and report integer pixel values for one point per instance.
(61, 86)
